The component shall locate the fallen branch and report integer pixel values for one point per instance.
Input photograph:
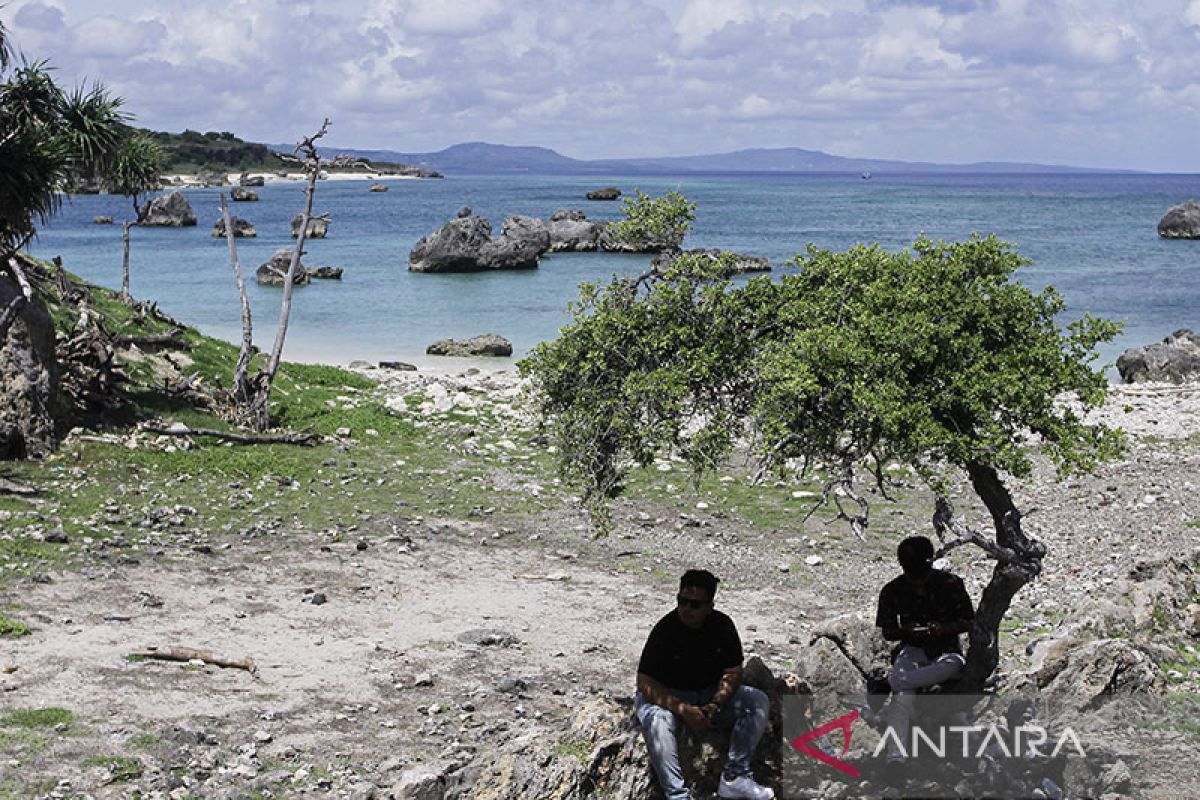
(170, 339)
(179, 429)
(8, 486)
(191, 654)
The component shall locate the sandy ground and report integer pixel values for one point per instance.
(379, 678)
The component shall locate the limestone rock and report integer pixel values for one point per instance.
(1181, 222)
(488, 344)
(251, 180)
(241, 228)
(324, 273)
(522, 242)
(212, 177)
(607, 193)
(28, 378)
(243, 195)
(272, 272)
(453, 248)
(740, 263)
(572, 231)
(1176, 359)
(168, 211)
(378, 187)
(102, 219)
(317, 227)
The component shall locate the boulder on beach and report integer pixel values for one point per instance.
(273, 272)
(168, 211)
(28, 377)
(102, 219)
(378, 187)
(251, 180)
(1181, 222)
(241, 228)
(607, 193)
(317, 227)
(572, 231)
(1176, 359)
(738, 263)
(212, 177)
(488, 344)
(243, 195)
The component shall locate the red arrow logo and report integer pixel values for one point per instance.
(801, 743)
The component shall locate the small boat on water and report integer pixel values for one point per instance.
(866, 176)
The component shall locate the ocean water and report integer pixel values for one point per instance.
(1093, 237)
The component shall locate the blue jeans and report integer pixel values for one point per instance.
(746, 712)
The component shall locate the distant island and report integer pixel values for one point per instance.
(485, 157)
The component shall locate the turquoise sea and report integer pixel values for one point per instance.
(1091, 236)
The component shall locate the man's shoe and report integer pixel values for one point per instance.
(744, 787)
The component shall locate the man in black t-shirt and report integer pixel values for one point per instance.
(925, 609)
(691, 671)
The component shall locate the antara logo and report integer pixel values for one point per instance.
(801, 743)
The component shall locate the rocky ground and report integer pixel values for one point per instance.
(417, 645)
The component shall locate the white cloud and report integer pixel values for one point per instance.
(701, 18)
(458, 18)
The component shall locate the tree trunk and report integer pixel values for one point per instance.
(1020, 563)
(241, 385)
(125, 263)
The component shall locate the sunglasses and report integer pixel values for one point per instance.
(688, 602)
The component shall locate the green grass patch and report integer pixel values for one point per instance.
(37, 718)
(143, 741)
(578, 749)
(10, 628)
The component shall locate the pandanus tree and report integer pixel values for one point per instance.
(136, 171)
(47, 138)
(935, 358)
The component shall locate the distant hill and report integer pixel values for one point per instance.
(485, 157)
(192, 151)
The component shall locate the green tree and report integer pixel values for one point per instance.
(658, 223)
(935, 358)
(136, 170)
(47, 137)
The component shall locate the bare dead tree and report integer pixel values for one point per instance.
(125, 261)
(252, 407)
(241, 384)
(9, 313)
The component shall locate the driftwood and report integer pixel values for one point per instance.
(168, 339)
(9, 486)
(192, 654)
(179, 429)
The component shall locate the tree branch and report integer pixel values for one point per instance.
(179, 429)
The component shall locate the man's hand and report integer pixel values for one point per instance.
(694, 717)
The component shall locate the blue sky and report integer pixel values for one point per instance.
(1088, 83)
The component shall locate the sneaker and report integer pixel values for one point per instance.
(745, 787)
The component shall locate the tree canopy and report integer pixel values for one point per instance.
(47, 136)
(664, 220)
(933, 357)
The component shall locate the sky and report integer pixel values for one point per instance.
(1095, 83)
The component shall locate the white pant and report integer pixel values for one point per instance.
(912, 670)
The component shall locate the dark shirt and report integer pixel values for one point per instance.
(680, 657)
(944, 600)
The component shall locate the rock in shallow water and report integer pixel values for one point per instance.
(1176, 359)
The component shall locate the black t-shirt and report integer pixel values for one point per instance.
(680, 657)
(945, 600)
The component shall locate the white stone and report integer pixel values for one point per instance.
(813, 561)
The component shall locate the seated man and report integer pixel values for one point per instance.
(691, 670)
(925, 609)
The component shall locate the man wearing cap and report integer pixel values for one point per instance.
(925, 610)
(691, 672)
